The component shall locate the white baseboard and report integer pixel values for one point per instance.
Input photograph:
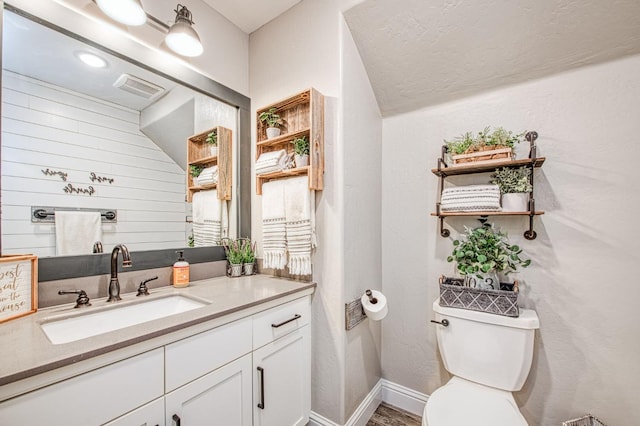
(403, 397)
(384, 391)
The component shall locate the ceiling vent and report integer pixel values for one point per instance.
(137, 86)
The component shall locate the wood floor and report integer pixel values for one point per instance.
(388, 415)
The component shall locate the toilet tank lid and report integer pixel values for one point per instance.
(528, 318)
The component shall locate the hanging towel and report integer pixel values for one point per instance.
(299, 212)
(207, 218)
(471, 198)
(273, 225)
(77, 232)
(273, 161)
(207, 177)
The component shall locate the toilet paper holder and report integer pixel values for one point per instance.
(372, 299)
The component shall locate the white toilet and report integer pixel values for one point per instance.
(489, 357)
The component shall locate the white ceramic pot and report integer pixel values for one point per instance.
(236, 270)
(213, 150)
(517, 202)
(248, 268)
(273, 132)
(301, 160)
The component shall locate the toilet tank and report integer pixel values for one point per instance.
(489, 349)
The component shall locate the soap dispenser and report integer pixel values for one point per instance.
(181, 271)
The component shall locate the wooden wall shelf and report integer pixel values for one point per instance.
(444, 170)
(303, 115)
(199, 154)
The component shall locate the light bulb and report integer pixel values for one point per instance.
(128, 12)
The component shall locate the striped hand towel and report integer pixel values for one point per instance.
(299, 212)
(471, 198)
(273, 225)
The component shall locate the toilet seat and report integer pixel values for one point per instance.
(461, 402)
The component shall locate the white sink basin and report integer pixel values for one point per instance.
(114, 318)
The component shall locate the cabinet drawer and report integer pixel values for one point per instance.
(276, 322)
(195, 356)
(91, 398)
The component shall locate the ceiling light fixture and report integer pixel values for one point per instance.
(182, 38)
(128, 12)
(92, 60)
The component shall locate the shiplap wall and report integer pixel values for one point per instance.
(45, 126)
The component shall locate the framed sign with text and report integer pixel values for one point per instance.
(18, 286)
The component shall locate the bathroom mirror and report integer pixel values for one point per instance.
(107, 138)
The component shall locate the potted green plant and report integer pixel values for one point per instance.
(249, 255)
(301, 151)
(273, 122)
(486, 146)
(515, 186)
(212, 140)
(235, 256)
(194, 171)
(483, 252)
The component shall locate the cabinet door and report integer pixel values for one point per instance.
(222, 397)
(282, 381)
(151, 414)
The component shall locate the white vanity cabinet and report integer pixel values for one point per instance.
(282, 365)
(252, 371)
(92, 398)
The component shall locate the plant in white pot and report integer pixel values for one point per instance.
(212, 140)
(483, 252)
(273, 122)
(248, 255)
(515, 186)
(235, 256)
(301, 151)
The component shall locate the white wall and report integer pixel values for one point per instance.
(48, 127)
(362, 162)
(581, 280)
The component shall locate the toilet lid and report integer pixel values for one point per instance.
(466, 403)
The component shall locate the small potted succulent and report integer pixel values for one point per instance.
(212, 141)
(482, 253)
(301, 150)
(195, 170)
(249, 255)
(273, 122)
(235, 256)
(515, 186)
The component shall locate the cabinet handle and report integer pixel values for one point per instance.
(261, 403)
(296, 316)
(176, 420)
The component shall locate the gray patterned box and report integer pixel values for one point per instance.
(499, 302)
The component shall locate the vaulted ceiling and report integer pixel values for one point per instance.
(424, 52)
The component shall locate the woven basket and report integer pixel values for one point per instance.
(499, 302)
(587, 420)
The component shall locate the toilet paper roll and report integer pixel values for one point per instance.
(375, 311)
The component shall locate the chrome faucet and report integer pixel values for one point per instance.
(114, 284)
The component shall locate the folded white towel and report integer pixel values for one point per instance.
(207, 177)
(207, 218)
(273, 225)
(76, 232)
(299, 211)
(272, 161)
(471, 198)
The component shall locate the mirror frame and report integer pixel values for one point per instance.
(64, 267)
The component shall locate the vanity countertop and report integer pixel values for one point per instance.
(26, 351)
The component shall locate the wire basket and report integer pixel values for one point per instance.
(587, 420)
